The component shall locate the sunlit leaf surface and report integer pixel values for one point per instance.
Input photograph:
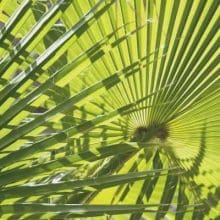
(109, 109)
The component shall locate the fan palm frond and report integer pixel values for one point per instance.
(109, 109)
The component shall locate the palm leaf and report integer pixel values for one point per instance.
(109, 109)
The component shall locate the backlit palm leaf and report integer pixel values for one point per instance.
(109, 109)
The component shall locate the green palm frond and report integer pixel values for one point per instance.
(109, 109)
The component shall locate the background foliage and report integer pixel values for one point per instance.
(109, 108)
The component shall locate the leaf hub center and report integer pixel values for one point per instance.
(143, 134)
